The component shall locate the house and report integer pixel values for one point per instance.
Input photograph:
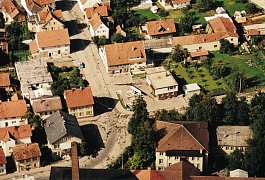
(62, 129)
(252, 28)
(159, 45)
(159, 29)
(120, 31)
(240, 16)
(80, 102)
(26, 156)
(83, 4)
(230, 138)
(99, 26)
(2, 162)
(226, 25)
(182, 140)
(5, 81)
(100, 9)
(47, 20)
(55, 43)
(12, 12)
(162, 83)
(46, 106)
(174, 4)
(123, 57)
(33, 7)
(12, 113)
(35, 80)
(191, 89)
(198, 56)
(198, 42)
(11, 136)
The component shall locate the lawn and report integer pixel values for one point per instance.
(148, 14)
(198, 75)
(231, 6)
(252, 65)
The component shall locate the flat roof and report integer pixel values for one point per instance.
(154, 70)
(191, 87)
(162, 80)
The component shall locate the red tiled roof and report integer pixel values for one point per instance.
(26, 151)
(53, 38)
(102, 10)
(160, 27)
(183, 136)
(4, 80)
(147, 174)
(199, 53)
(10, 8)
(11, 109)
(223, 178)
(15, 132)
(2, 157)
(33, 47)
(44, 2)
(46, 104)
(198, 38)
(79, 97)
(221, 24)
(180, 1)
(125, 53)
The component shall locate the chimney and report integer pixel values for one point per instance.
(75, 163)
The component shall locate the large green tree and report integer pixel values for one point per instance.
(235, 112)
(236, 160)
(179, 54)
(186, 22)
(204, 109)
(206, 4)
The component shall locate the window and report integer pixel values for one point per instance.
(160, 161)
(198, 158)
(231, 148)
(176, 157)
(200, 47)
(28, 160)
(34, 159)
(215, 46)
(192, 158)
(161, 153)
(13, 122)
(232, 39)
(226, 148)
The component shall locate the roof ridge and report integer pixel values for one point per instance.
(194, 137)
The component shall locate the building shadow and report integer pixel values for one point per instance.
(104, 104)
(93, 139)
(65, 5)
(78, 45)
(74, 27)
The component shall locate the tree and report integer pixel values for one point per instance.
(235, 160)
(140, 115)
(219, 71)
(205, 109)
(162, 13)
(117, 38)
(171, 115)
(206, 4)
(186, 22)
(252, 8)
(236, 80)
(179, 54)
(34, 120)
(226, 47)
(83, 148)
(59, 86)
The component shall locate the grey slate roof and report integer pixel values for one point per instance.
(60, 124)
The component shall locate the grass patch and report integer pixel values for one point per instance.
(231, 6)
(254, 70)
(148, 14)
(200, 75)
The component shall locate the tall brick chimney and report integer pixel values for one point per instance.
(75, 163)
